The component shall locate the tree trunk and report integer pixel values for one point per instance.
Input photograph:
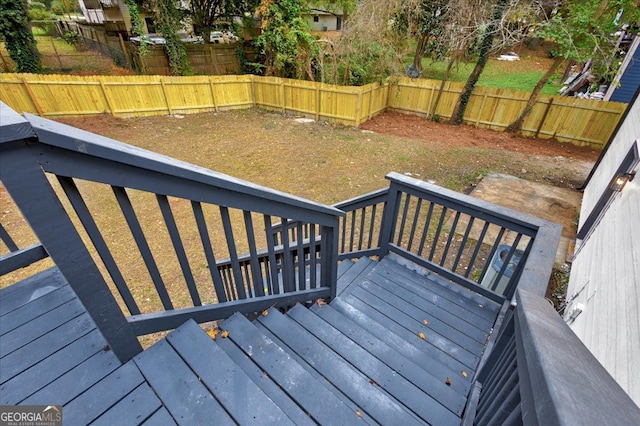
(445, 77)
(485, 48)
(419, 54)
(516, 126)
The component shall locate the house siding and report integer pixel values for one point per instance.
(605, 274)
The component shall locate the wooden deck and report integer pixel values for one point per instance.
(397, 346)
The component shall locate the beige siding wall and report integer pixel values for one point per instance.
(605, 275)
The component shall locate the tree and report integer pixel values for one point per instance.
(286, 42)
(582, 29)
(16, 30)
(207, 14)
(169, 17)
(485, 48)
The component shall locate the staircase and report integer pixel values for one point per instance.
(394, 348)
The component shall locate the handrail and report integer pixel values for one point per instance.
(540, 373)
(230, 215)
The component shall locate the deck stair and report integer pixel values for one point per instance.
(393, 348)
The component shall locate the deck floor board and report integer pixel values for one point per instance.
(368, 357)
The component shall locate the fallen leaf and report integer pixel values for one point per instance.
(265, 374)
(464, 374)
(373, 382)
(359, 413)
(213, 333)
(481, 306)
(265, 313)
(321, 302)
(106, 348)
(225, 334)
(448, 382)
(425, 322)
(421, 335)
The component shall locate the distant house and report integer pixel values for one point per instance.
(321, 19)
(604, 289)
(627, 80)
(114, 14)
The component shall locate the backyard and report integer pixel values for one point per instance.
(316, 160)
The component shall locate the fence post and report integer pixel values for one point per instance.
(31, 96)
(282, 95)
(213, 93)
(55, 51)
(124, 51)
(164, 94)
(318, 101)
(253, 89)
(106, 98)
(387, 228)
(544, 117)
(358, 106)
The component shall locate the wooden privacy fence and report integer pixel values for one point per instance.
(580, 121)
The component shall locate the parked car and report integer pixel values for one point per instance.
(148, 39)
(217, 37)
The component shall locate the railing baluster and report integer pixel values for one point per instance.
(415, 224)
(258, 285)
(425, 231)
(463, 243)
(301, 260)
(353, 230)
(436, 237)
(313, 260)
(273, 263)
(452, 233)
(405, 211)
(233, 254)
(476, 250)
(343, 231)
(506, 261)
(363, 212)
(143, 245)
(494, 248)
(174, 234)
(288, 283)
(7, 240)
(371, 225)
(81, 209)
(208, 251)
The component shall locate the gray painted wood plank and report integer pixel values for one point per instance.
(43, 324)
(435, 324)
(357, 386)
(103, 395)
(441, 311)
(354, 272)
(160, 418)
(433, 346)
(179, 389)
(344, 266)
(41, 348)
(38, 376)
(427, 289)
(264, 382)
(226, 380)
(445, 288)
(36, 308)
(77, 380)
(422, 404)
(29, 289)
(410, 323)
(433, 374)
(133, 409)
(307, 367)
(316, 399)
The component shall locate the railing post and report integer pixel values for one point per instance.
(329, 258)
(389, 216)
(29, 187)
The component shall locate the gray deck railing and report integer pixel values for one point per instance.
(484, 247)
(52, 172)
